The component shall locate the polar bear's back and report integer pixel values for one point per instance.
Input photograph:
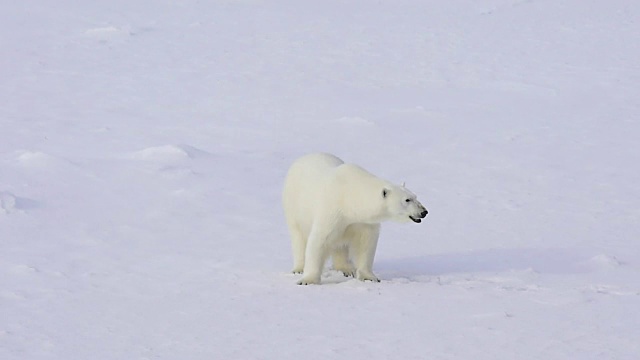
(305, 179)
(317, 161)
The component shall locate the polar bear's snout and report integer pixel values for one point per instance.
(417, 218)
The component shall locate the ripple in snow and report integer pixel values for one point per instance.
(169, 153)
(7, 202)
(354, 120)
(107, 33)
(604, 261)
(10, 203)
(41, 160)
(35, 158)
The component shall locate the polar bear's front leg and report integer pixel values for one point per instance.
(341, 261)
(364, 242)
(298, 245)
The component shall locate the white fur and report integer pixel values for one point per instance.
(335, 209)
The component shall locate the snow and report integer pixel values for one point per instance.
(143, 146)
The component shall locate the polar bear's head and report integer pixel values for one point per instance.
(402, 205)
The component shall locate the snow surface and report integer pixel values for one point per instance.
(143, 146)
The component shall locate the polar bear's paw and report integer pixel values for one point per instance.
(309, 281)
(349, 273)
(367, 276)
(346, 271)
(297, 270)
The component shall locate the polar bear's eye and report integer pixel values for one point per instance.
(407, 200)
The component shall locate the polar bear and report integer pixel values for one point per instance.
(335, 209)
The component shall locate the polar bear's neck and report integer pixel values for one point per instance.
(359, 193)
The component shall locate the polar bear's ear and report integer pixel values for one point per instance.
(385, 192)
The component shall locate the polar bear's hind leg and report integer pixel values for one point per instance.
(298, 246)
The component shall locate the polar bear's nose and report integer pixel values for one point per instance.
(424, 213)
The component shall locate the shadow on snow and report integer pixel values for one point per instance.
(551, 261)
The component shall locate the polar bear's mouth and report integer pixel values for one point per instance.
(415, 220)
